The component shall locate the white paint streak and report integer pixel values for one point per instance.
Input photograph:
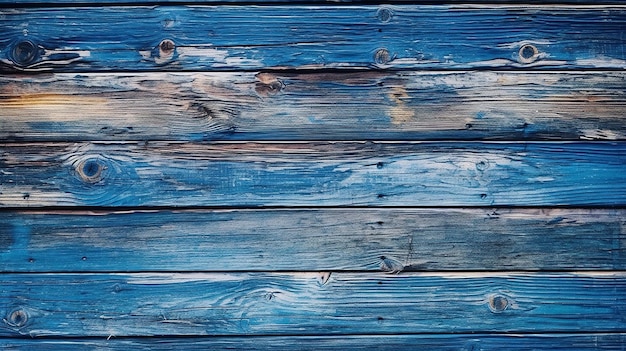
(518, 44)
(602, 61)
(207, 53)
(590, 134)
(541, 179)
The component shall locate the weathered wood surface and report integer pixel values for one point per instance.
(390, 240)
(312, 174)
(443, 342)
(451, 244)
(309, 303)
(48, 3)
(230, 37)
(316, 106)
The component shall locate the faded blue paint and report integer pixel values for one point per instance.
(335, 297)
(128, 38)
(262, 240)
(328, 174)
(287, 303)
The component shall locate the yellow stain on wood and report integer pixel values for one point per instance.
(400, 113)
(31, 100)
(57, 107)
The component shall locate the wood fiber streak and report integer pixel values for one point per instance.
(453, 342)
(308, 303)
(230, 38)
(370, 105)
(312, 174)
(390, 240)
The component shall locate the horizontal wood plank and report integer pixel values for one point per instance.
(28, 3)
(308, 303)
(312, 174)
(390, 240)
(390, 36)
(444, 342)
(317, 106)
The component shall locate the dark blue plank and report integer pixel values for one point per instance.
(373, 105)
(309, 303)
(313, 174)
(444, 342)
(313, 239)
(230, 37)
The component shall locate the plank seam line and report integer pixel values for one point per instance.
(465, 274)
(34, 209)
(387, 141)
(95, 210)
(463, 144)
(572, 69)
(482, 333)
(330, 70)
(441, 273)
(304, 3)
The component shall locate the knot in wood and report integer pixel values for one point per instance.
(528, 53)
(90, 170)
(382, 56)
(167, 46)
(384, 15)
(24, 53)
(164, 52)
(271, 88)
(390, 265)
(482, 165)
(498, 303)
(17, 318)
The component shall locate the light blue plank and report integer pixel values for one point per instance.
(313, 174)
(230, 37)
(313, 239)
(108, 305)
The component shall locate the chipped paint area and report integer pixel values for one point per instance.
(591, 134)
(400, 113)
(219, 57)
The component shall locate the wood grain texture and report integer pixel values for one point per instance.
(312, 174)
(445, 342)
(47, 3)
(369, 105)
(308, 303)
(229, 37)
(390, 240)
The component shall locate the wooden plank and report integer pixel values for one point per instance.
(316, 106)
(30, 3)
(390, 240)
(229, 37)
(443, 342)
(312, 174)
(309, 303)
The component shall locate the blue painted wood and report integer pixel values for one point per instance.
(444, 342)
(44, 3)
(230, 38)
(259, 100)
(313, 239)
(371, 105)
(313, 174)
(308, 303)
